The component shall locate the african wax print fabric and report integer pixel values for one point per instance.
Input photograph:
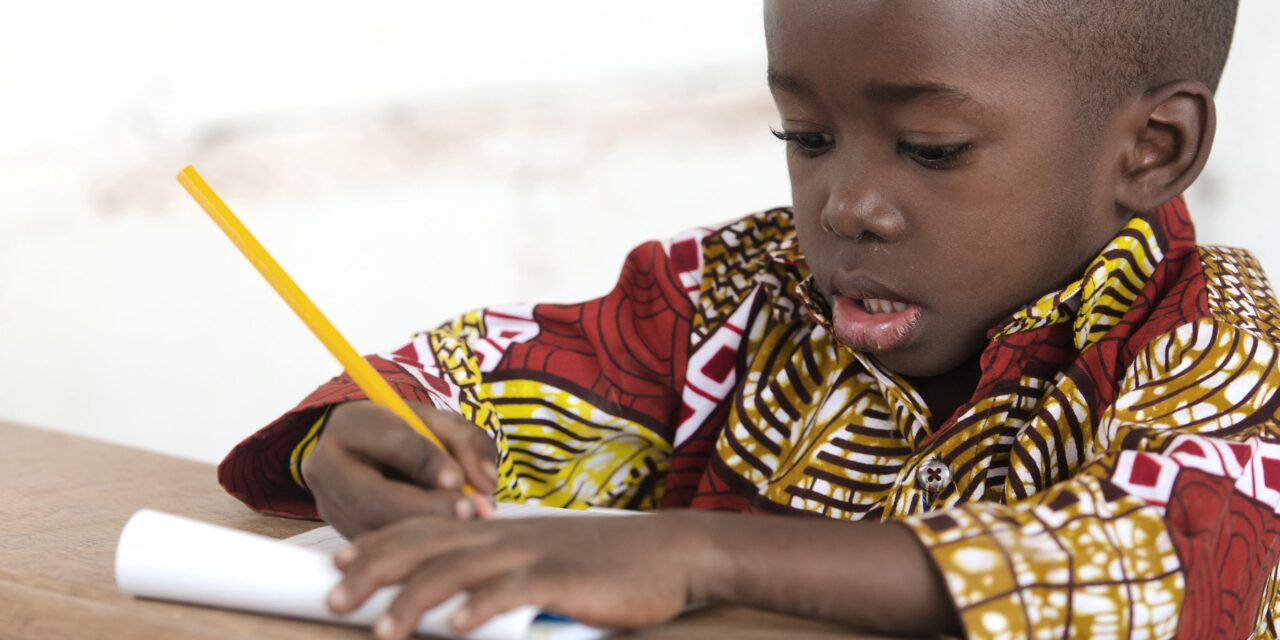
(1115, 474)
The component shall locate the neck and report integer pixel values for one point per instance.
(946, 392)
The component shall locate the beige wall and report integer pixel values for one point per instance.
(378, 153)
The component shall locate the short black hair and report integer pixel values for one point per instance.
(1117, 48)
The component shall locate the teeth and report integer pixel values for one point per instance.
(876, 305)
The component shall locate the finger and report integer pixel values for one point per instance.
(436, 580)
(384, 438)
(570, 591)
(484, 506)
(471, 447)
(355, 498)
(389, 555)
(496, 596)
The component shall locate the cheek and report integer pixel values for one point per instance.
(1003, 209)
(808, 197)
(808, 193)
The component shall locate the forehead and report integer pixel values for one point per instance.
(840, 46)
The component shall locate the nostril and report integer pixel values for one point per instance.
(826, 226)
(863, 236)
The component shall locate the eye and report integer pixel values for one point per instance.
(809, 143)
(939, 157)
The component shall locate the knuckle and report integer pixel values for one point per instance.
(449, 423)
(482, 444)
(404, 438)
(378, 570)
(419, 592)
(372, 514)
(425, 464)
(497, 595)
(439, 504)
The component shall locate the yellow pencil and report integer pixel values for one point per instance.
(363, 373)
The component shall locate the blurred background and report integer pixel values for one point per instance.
(405, 161)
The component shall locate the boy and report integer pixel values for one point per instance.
(983, 333)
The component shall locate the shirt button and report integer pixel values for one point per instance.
(933, 476)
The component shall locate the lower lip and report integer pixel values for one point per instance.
(862, 330)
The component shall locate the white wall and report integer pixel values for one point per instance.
(404, 161)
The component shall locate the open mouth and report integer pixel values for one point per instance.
(874, 324)
(877, 305)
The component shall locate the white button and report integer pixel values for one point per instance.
(933, 476)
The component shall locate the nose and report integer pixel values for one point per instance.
(857, 209)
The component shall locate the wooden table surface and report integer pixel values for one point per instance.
(64, 500)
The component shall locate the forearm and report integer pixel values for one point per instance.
(872, 575)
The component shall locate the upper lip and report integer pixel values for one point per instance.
(861, 287)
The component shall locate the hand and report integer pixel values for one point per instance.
(370, 469)
(620, 571)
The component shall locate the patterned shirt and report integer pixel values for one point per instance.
(1115, 473)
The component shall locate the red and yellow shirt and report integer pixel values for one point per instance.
(1116, 472)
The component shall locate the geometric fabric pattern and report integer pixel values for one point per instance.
(1116, 472)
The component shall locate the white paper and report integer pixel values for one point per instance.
(173, 558)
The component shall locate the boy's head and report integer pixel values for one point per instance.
(960, 159)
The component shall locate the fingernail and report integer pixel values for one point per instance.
(460, 617)
(464, 508)
(345, 556)
(490, 469)
(449, 479)
(385, 628)
(485, 506)
(338, 598)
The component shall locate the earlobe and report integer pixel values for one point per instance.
(1166, 145)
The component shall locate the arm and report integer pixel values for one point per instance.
(1170, 527)
(636, 571)
(871, 575)
(558, 391)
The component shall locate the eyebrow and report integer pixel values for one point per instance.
(879, 91)
(782, 81)
(901, 93)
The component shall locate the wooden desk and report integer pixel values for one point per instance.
(64, 500)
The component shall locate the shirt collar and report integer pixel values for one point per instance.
(908, 406)
(1108, 287)
(1092, 304)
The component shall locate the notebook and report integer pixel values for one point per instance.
(168, 557)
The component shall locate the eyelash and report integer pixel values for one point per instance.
(939, 157)
(810, 145)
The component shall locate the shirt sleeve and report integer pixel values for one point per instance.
(581, 399)
(1169, 528)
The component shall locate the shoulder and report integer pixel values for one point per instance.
(754, 234)
(1238, 294)
(739, 247)
(740, 257)
(1212, 375)
(1218, 373)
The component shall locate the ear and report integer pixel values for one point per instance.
(1166, 140)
